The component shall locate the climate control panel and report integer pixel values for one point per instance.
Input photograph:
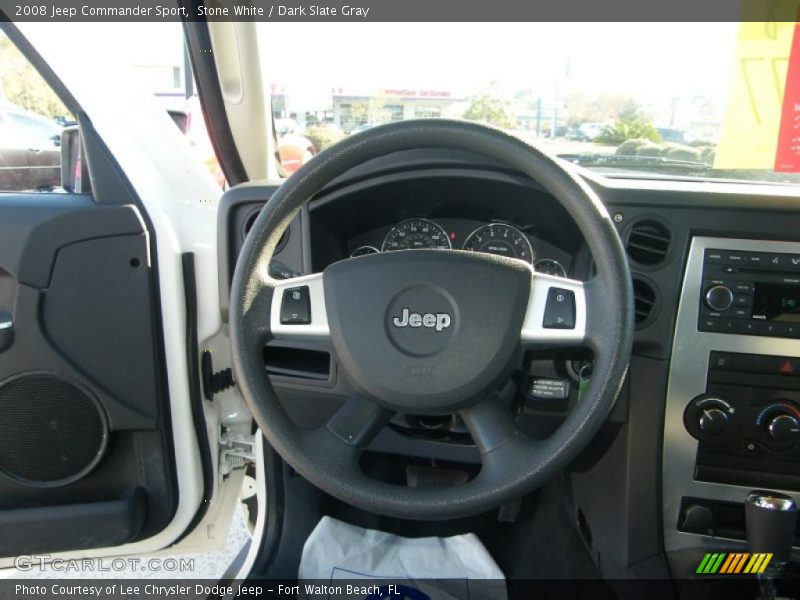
(709, 417)
(747, 422)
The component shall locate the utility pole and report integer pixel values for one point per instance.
(538, 116)
(555, 114)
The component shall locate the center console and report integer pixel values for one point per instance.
(732, 420)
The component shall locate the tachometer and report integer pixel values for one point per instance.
(500, 239)
(416, 234)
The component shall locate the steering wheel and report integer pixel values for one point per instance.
(431, 332)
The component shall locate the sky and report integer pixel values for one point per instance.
(651, 61)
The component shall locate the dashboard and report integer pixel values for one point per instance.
(709, 339)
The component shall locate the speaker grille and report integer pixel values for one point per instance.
(51, 431)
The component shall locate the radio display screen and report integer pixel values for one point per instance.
(776, 302)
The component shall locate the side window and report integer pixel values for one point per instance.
(31, 120)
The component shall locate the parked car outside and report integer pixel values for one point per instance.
(592, 130)
(671, 135)
(30, 155)
(576, 135)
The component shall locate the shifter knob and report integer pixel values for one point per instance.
(771, 520)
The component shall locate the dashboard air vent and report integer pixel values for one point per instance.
(648, 242)
(250, 220)
(644, 301)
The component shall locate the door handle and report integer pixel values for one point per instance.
(6, 330)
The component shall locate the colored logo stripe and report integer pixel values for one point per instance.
(703, 564)
(736, 567)
(728, 562)
(758, 563)
(711, 563)
(735, 562)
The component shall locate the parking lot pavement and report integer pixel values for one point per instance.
(209, 566)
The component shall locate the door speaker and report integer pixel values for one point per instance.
(53, 431)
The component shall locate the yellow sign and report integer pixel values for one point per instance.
(753, 119)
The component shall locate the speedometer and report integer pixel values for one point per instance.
(500, 239)
(416, 234)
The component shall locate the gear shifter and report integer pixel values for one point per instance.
(771, 520)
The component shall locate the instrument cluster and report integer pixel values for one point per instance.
(503, 239)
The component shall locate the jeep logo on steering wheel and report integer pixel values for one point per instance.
(438, 321)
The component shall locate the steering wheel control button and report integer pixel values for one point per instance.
(559, 312)
(543, 388)
(296, 306)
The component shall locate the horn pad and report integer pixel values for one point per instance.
(426, 331)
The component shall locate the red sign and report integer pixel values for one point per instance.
(408, 93)
(787, 157)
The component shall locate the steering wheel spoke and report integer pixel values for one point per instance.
(358, 421)
(298, 309)
(556, 313)
(490, 425)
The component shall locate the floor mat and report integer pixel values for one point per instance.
(543, 543)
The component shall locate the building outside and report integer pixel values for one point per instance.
(349, 109)
(353, 108)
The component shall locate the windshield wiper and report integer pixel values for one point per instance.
(633, 162)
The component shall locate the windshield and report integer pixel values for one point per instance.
(655, 100)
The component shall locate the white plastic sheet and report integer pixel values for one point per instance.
(346, 561)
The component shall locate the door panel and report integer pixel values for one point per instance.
(87, 460)
(108, 341)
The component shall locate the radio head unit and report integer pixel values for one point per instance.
(750, 293)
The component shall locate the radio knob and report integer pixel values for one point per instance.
(783, 428)
(713, 421)
(719, 298)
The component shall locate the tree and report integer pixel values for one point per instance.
(490, 109)
(582, 108)
(374, 110)
(631, 123)
(21, 84)
(321, 137)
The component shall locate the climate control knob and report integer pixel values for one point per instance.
(708, 418)
(719, 297)
(783, 428)
(713, 421)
